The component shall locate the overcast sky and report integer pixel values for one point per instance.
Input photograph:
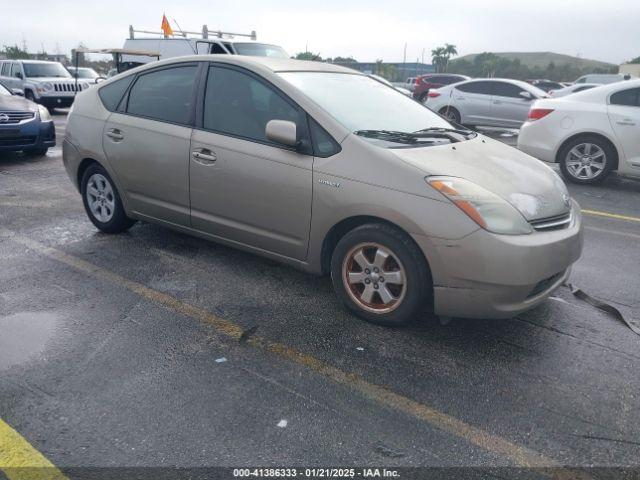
(365, 29)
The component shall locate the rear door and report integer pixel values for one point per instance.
(147, 142)
(473, 100)
(624, 115)
(245, 188)
(510, 108)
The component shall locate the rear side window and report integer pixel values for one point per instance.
(15, 69)
(5, 69)
(112, 94)
(483, 88)
(165, 95)
(238, 104)
(448, 80)
(217, 48)
(504, 89)
(630, 97)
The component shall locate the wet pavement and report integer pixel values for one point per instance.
(111, 352)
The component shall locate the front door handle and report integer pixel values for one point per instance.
(626, 121)
(204, 156)
(497, 102)
(115, 135)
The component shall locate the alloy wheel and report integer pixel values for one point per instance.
(100, 197)
(586, 161)
(374, 278)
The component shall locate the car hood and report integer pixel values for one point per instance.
(529, 185)
(15, 103)
(52, 79)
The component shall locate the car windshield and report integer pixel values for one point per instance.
(43, 70)
(362, 104)
(260, 50)
(86, 73)
(4, 92)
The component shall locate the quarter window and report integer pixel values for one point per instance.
(5, 69)
(164, 95)
(629, 97)
(239, 104)
(482, 88)
(112, 93)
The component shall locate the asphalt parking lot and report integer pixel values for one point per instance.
(129, 351)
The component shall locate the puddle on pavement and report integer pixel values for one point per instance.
(23, 336)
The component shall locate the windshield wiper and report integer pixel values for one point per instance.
(399, 137)
(444, 129)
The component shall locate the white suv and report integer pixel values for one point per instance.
(47, 83)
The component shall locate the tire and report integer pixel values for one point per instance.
(28, 94)
(110, 216)
(586, 160)
(37, 152)
(365, 295)
(423, 96)
(452, 114)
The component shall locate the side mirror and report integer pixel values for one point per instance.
(283, 132)
(19, 75)
(17, 92)
(100, 79)
(526, 95)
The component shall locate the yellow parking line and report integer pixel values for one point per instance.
(611, 215)
(20, 461)
(520, 456)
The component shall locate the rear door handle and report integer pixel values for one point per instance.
(204, 156)
(115, 135)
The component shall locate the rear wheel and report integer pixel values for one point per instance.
(586, 160)
(102, 201)
(451, 113)
(28, 94)
(423, 96)
(380, 274)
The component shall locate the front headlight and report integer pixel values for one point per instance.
(487, 209)
(45, 116)
(85, 86)
(47, 86)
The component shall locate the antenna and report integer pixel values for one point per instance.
(179, 29)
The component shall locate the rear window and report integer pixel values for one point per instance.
(484, 88)
(112, 93)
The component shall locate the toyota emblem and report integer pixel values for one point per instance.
(4, 118)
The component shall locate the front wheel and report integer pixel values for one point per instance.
(586, 160)
(380, 274)
(102, 201)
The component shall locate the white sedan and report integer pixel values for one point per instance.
(589, 134)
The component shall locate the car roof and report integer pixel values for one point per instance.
(36, 61)
(260, 63)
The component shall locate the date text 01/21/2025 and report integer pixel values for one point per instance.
(316, 472)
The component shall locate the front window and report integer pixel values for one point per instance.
(260, 50)
(44, 70)
(361, 103)
(86, 73)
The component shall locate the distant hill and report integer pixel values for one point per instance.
(542, 59)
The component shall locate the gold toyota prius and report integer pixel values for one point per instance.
(330, 171)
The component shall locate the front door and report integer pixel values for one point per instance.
(245, 188)
(509, 107)
(147, 144)
(624, 115)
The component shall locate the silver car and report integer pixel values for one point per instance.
(494, 102)
(330, 171)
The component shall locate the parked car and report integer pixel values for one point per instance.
(402, 90)
(590, 134)
(24, 125)
(602, 78)
(46, 83)
(495, 102)
(410, 83)
(85, 73)
(575, 88)
(424, 83)
(324, 168)
(546, 85)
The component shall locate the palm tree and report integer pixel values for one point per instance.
(449, 51)
(438, 58)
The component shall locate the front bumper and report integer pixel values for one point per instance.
(56, 101)
(485, 275)
(33, 135)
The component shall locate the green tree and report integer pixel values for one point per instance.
(15, 52)
(315, 57)
(635, 60)
(449, 51)
(344, 60)
(438, 57)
